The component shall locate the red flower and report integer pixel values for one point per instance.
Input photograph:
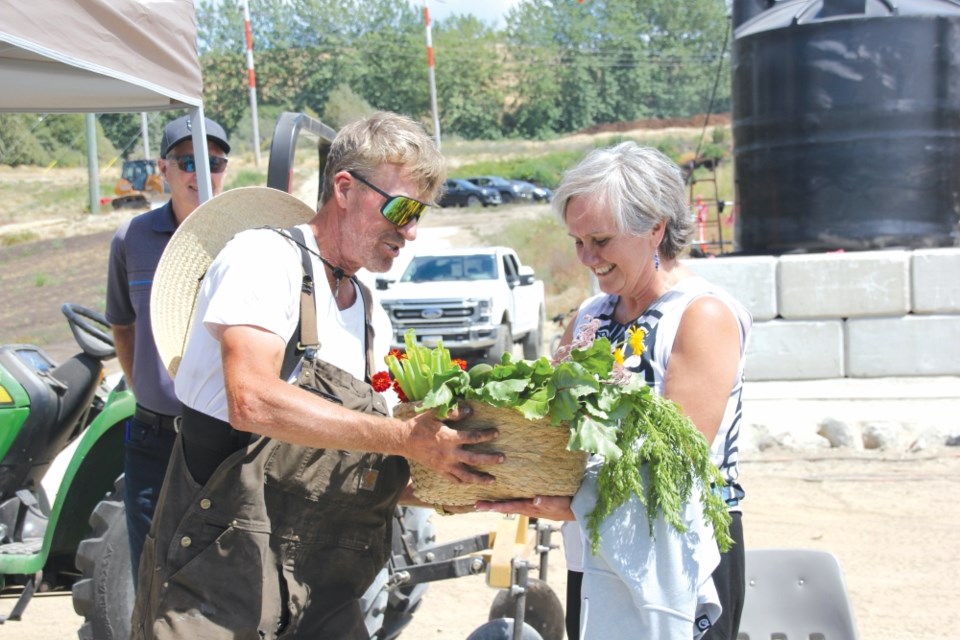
(396, 353)
(380, 381)
(460, 362)
(399, 391)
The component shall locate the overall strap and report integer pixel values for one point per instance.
(305, 335)
(368, 326)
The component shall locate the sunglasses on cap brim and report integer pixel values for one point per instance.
(399, 210)
(188, 163)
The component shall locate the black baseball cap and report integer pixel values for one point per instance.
(180, 129)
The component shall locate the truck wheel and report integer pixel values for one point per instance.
(533, 341)
(504, 344)
(104, 594)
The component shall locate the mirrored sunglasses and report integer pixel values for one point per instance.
(188, 163)
(399, 210)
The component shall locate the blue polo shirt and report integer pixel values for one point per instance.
(134, 253)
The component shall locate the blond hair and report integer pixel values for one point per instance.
(386, 138)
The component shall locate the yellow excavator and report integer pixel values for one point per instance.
(139, 183)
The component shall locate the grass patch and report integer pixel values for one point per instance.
(10, 239)
(246, 178)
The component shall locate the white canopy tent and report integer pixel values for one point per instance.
(103, 56)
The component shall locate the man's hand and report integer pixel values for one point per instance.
(434, 444)
(547, 507)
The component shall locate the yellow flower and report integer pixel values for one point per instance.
(635, 337)
(618, 356)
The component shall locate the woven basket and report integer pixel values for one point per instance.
(537, 461)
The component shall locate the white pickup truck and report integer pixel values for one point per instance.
(477, 300)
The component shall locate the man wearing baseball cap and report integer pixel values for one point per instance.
(134, 253)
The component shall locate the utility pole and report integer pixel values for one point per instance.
(252, 81)
(145, 133)
(432, 77)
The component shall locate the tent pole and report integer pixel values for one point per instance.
(201, 154)
(93, 166)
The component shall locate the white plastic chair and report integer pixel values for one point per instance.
(795, 594)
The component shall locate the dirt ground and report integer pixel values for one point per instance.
(891, 522)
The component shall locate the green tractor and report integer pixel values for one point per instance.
(61, 421)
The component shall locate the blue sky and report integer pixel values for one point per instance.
(486, 10)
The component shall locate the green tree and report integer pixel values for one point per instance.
(390, 63)
(612, 60)
(471, 84)
(18, 145)
(558, 66)
(125, 133)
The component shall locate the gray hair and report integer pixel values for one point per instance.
(639, 185)
(386, 138)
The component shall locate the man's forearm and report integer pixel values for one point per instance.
(123, 342)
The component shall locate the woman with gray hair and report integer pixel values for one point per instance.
(626, 210)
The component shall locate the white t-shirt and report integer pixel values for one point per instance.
(255, 280)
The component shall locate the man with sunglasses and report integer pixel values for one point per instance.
(277, 507)
(134, 253)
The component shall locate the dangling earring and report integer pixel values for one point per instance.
(656, 261)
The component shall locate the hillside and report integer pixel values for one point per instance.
(53, 251)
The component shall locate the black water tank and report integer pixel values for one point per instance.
(846, 120)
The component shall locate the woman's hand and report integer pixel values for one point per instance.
(547, 507)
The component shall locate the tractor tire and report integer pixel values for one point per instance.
(388, 612)
(130, 202)
(543, 610)
(104, 593)
(533, 341)
(504, 344)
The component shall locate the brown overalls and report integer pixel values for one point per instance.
(282, 540)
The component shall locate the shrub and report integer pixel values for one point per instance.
(345, 106)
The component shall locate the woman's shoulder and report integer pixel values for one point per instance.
(710, 298)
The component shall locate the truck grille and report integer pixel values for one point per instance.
(433, 314)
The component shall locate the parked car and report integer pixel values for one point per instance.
(509, 191)
(540, 194)
(460, 193)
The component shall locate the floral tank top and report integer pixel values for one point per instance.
(661, 321)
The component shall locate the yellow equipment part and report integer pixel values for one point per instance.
(154, 184)
(513, 538)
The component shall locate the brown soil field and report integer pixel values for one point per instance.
(891, 522)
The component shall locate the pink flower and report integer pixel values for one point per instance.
(582, 340)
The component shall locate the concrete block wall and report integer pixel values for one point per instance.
(857, 314)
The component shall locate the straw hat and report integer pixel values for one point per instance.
(193, 247)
